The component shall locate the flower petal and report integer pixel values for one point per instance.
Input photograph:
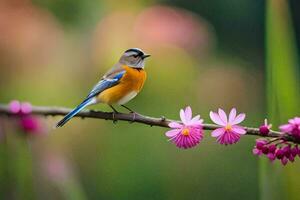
(232, 115)
(188, 141)
(223, 115)
(284, 160)
(216, 118)
(182, 116)
(239, 129)
(172, 133)
(14, 106)
(238, 119)
(175, 125)
(297, 120)
(292, 121)
(26, 108)
(188, 113)
(286, 128)
(196, 121)
(196, 118)
(217, 132)
(228, 137)
(255, 151)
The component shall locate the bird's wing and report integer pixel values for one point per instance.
(110, 79)
(106, 82)
(113, 71)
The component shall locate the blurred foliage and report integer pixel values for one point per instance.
(74, 13)
(282, 63)
(206, 54)
(239, 26)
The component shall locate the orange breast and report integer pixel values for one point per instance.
(132, 81)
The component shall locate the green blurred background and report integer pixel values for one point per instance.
(206, 54)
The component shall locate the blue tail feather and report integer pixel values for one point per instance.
(74, 112)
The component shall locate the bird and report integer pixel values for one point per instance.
(118, 86)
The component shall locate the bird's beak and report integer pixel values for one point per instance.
(145, 56)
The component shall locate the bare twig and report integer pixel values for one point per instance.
(131, 117)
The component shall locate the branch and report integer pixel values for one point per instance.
(131, 117)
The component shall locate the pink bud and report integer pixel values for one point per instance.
(292, 158)
(272, 148)
(287, 151)
(271, 156)
(265, 128)
(284, 160)
(256, 151)
(14, 107)
(279, 154)
(26, 108)
(29, 124)
(294, 151)
(265, 149)
(260, 144)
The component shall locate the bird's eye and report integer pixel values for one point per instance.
(135, 56)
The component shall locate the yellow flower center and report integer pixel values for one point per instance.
(185, 132)
(228, 127)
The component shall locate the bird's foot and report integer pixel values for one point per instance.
(132, 112)
(114, 117)
(127, 108)
(114, 114)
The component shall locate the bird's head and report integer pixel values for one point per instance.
(134, 58)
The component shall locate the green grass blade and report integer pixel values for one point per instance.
(282, 95)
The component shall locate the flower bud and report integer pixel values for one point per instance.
(265, 128)
(284, 160)
(272, 148)
(265, 150)
(279, 154)
(260, 144)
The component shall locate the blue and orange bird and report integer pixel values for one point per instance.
(118, 86)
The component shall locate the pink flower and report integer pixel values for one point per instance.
(26, 108)
(15, 107)
(30, 124)
(18, 108)
(260, 145)
(256, 151)
(189, 133)
(230, 132)
(284, 160)
(27, 122)
(271, 156)
(292, 128)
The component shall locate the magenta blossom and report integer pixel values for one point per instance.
(30, 124)
(292, 128)
(15, 107)
(27, 122)
(189, 133)
(230, 132)
(265, 128)
(276, 149)
(18, 108)
(260, 144)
